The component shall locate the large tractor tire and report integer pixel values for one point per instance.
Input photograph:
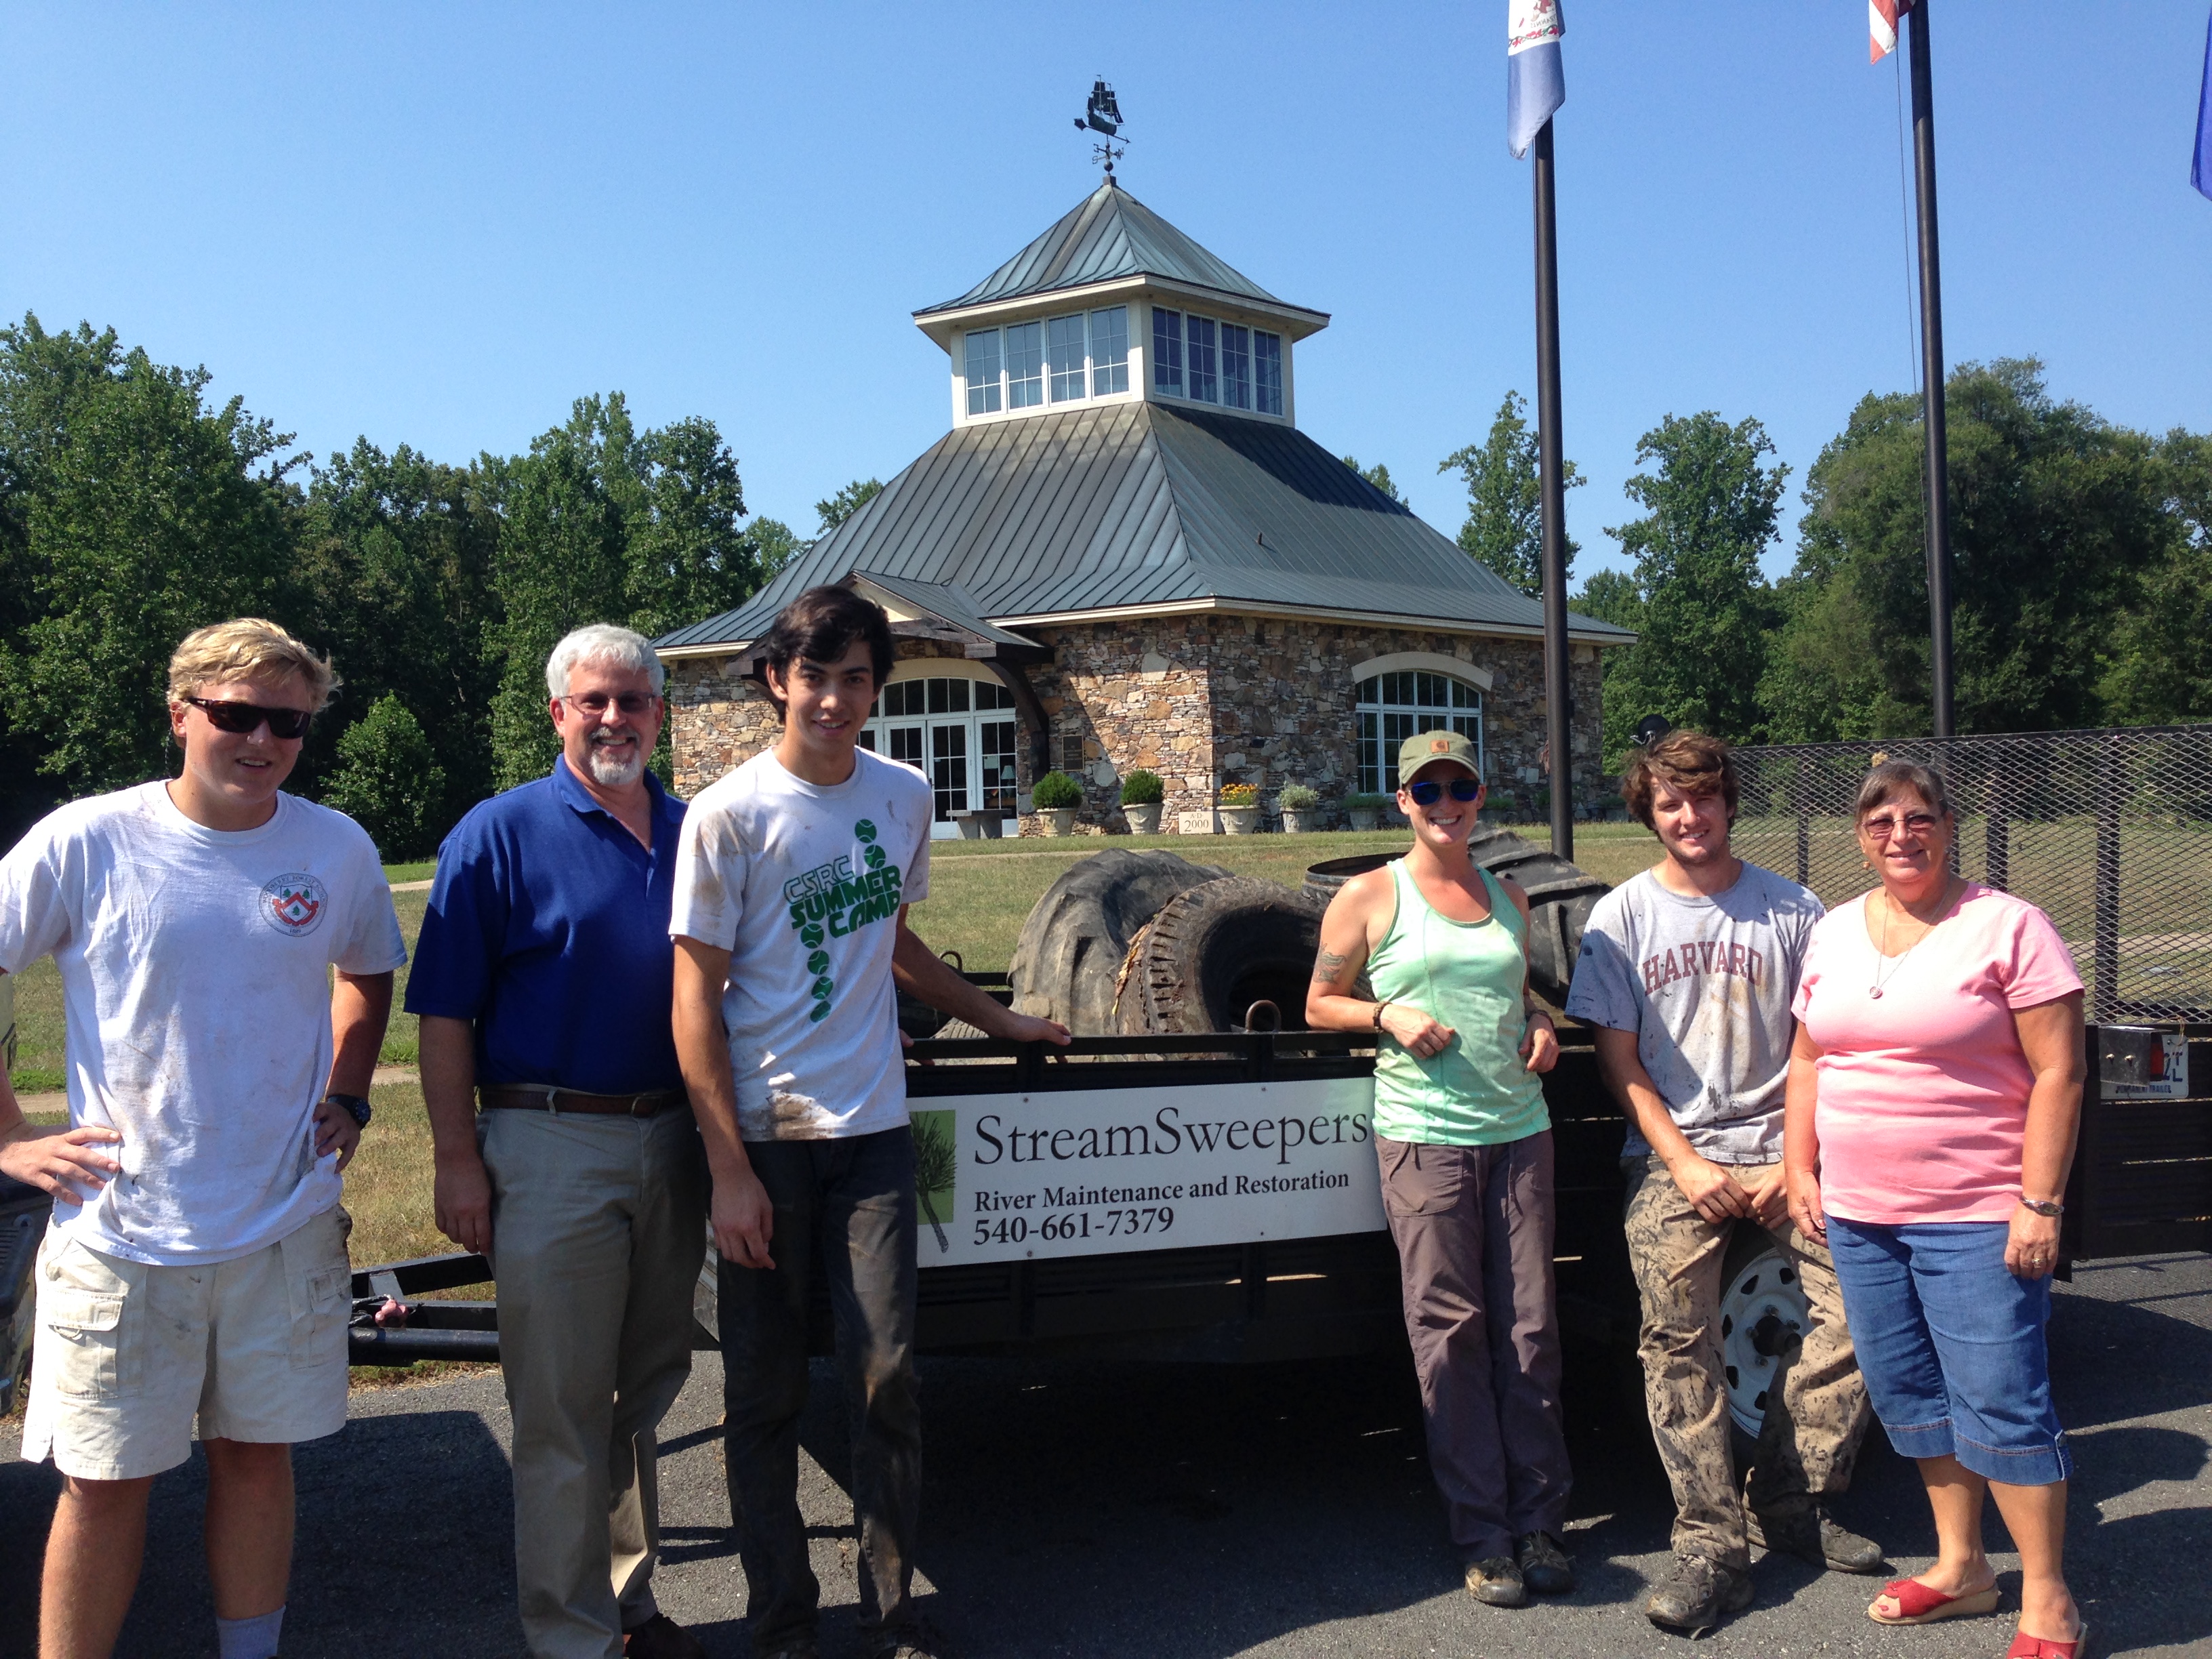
(1068, 960)
(1561, 896)
(1214, 951)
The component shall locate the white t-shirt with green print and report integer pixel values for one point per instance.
(802, 886)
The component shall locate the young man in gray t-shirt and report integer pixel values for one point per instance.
(1686, 973)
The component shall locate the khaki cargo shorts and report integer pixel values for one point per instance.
(126, 1354)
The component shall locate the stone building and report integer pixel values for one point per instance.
(1126, 555)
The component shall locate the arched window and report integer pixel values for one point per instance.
(958, 733)
(1394, 706)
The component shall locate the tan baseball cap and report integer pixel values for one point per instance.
(1422, 747)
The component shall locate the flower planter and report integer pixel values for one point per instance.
(1143, 817)
(1301, 820)
(1239, 820)
(1362, 817)
(1057, 821)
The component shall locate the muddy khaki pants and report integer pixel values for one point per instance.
(1473, 1230)
(598, 1227)
(1812, 1433)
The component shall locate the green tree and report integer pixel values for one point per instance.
(1504, 527)
(137, 512)
(2058, 518)
(688, 557)
(562, 562)
(846, 502)
(1611, 596)
(1705, 607)
(388, 780)
(1378, 475)
(395, 555)
(2160, 672)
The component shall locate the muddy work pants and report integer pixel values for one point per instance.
(1816, 1409)
(1473, 1229)
(844, 1213)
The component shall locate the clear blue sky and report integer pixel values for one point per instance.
(439, 224)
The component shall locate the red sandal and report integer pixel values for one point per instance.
(2025, 1646)
(1917, 1604)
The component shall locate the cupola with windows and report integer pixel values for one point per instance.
(1115, 305)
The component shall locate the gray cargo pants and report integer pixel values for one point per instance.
(598, 1227)
(1811, 1436)
(1473, 1229)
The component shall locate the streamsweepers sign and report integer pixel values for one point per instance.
(1009, 1176)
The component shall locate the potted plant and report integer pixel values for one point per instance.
(1057, 795)
(1141, 795)
(1240, 808)
(1299, 804)
(1364, 810)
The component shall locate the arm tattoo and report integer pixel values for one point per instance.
(1328, 966)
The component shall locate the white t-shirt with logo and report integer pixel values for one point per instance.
(195, 968)
(802, 885)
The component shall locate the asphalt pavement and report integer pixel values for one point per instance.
(1081, 1509)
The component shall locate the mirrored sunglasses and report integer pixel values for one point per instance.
(290, 724)
(1428, 790)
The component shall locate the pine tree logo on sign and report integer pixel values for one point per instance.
(293, 903)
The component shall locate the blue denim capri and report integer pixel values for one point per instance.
(1952, 1346)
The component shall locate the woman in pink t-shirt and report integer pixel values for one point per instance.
(1933, 1094)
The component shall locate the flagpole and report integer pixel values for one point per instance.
(1558, 698)
(1938, 467)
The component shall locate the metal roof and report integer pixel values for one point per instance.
(1128, 504)
(1109, 234)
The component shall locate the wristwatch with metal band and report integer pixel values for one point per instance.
(356, 1107)
(2050, 1206)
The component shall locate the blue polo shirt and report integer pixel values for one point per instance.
(548, 926)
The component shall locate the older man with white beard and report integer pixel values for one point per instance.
(544, 979)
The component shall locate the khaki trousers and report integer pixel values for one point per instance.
(1473, 1229)
(598, 1227)
(1810, 1439)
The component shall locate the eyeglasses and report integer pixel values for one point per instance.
(596, 704)
(1428, 792)
(290, 724)
(1915, 825)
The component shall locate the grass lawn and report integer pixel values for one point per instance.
(981, 892)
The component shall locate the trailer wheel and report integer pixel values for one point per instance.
(1763, 1314)
(1213, 951)
(1068, 959)
(1561, 896)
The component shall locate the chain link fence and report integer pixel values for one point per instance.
(2109, 832)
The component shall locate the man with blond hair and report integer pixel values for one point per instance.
(195, 1263)
(543, 978)
(1686, 974)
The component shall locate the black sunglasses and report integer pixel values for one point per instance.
(1428, 792)
(244, 717)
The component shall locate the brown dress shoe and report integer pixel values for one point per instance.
(661, 1637)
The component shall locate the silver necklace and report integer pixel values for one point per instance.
(1882, 954)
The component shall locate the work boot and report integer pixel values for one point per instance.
(1694, 1597)
(661, 1637)
(1496, 1581)
(1545, 1567)
(1816, 1540)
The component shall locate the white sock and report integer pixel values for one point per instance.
(250, 1638)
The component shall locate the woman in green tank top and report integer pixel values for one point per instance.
(1464, 1141)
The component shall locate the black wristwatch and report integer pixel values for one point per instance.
(356, 1107)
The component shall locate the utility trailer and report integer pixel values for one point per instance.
(1273, 1271)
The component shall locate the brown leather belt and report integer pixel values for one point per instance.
(544, 1097)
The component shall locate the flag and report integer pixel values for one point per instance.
(2200, 170)
(1535, 85)
(1882, 27)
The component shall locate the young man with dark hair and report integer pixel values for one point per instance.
(226, 953)
(1686, 973)
(791, 888)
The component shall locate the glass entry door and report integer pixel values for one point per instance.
(960, 734)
